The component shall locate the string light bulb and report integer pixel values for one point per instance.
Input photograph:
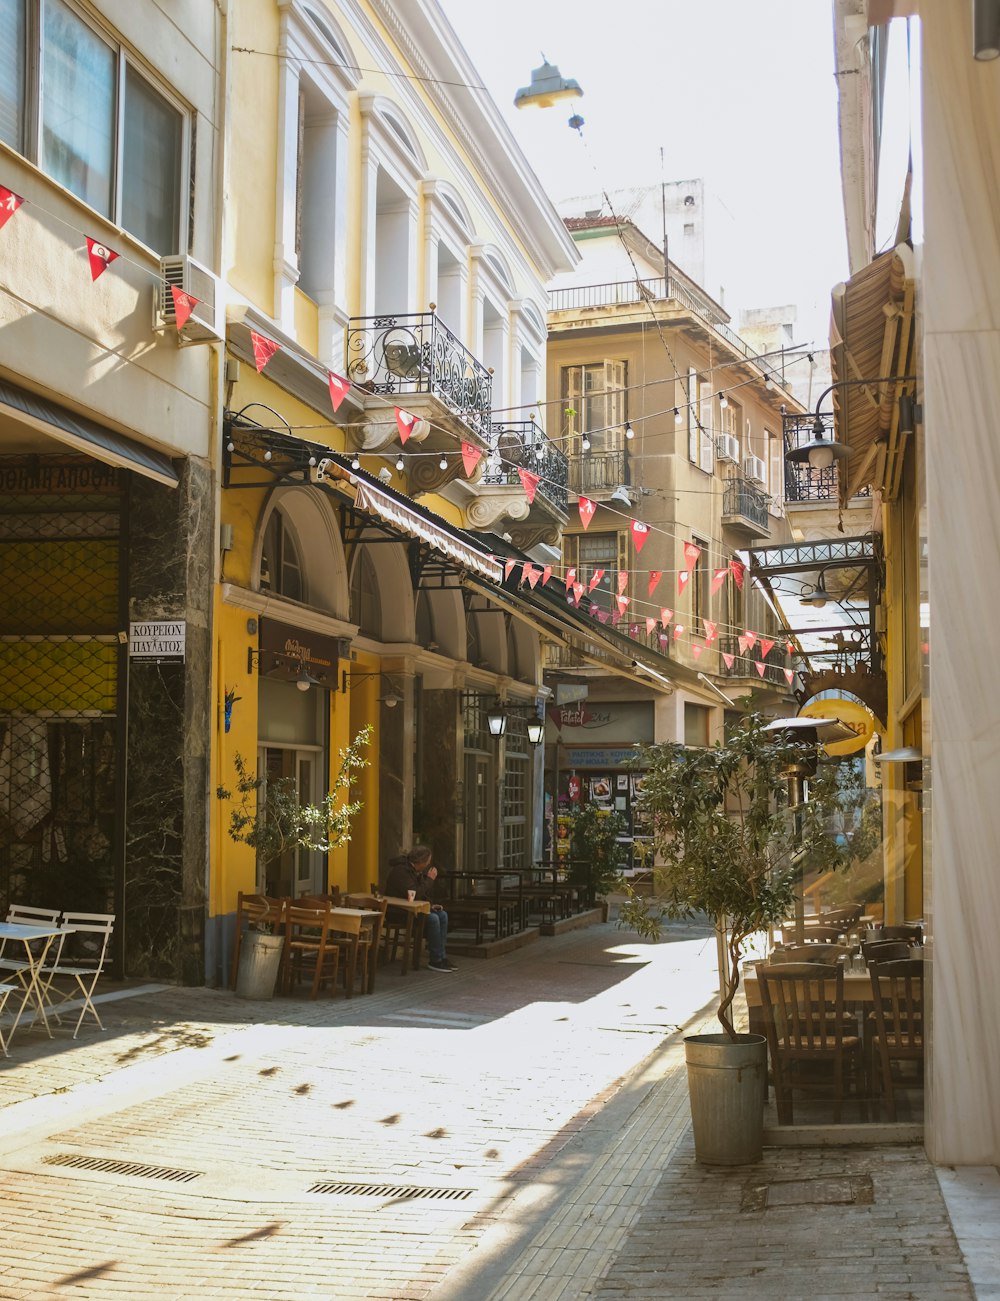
(585, 443)
(723, 401)
(443, 463)
(268, 454)
(356, 463)
(629, 431)
(400, 464)
(677, 416)
(230, 446)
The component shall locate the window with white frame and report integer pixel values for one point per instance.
(776, 471)
(595, 399)
(75, 101)
(706, 428)
(515, 809)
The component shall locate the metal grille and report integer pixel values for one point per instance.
(59, 662)
(398, 1192)
(134, 1168)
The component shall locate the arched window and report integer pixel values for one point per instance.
(366, 605)
(280, 567)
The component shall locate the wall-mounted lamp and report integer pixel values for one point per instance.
(496, 719)
(536, 731)
(393, 696)
(303, 679)
(821, 453)
(986, 29)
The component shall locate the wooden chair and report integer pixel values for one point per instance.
(884, 950)
(811, 953)
(911, 934)
(804, 1023)
(82, 957)
(819, 933)
(898, 990)
(258, 909)
(309, 943)
(845, 918)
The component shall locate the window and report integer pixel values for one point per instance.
(595, 404)
(515, 809)
(776, 470)
(366, 604)
(700, 588)
(590, 552)
(696, 724)
(706, 429)
(94, 122)
(280, 568)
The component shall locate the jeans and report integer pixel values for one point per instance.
(436, 930)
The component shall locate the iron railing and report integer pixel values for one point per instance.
(524, 444)
(742, 497)
(618, 293)
(598, 472)
(745, 662)
(802, 482)
(416, 353)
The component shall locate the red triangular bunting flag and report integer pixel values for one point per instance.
(405, 422)
(751, 638)
(633, 631)
(471, 456)
(640, 532)
(100, 257)
(570, 578)
(765, 646)
(678, 630)
(682, 580)
(339, 389)
(602, 615)
(759, 667)
(744, 644)
(622, 580)
(654, 577)
(546, 574)
(529, 482)
(738, 569)
(790, 675)
(696, 649)
(710, 633)
(718, 578)
(790, 645)
(184, 305)
(9, 204)
(728, 660)
(691, 553)
(587, 508)
(508, 568)
(650, 625)
(578, 591)
(622, 602)
(664, 639)
(665, 616)
(263, 349)
(595, 579)
(531, 574)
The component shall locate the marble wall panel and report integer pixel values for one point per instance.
(435, 817)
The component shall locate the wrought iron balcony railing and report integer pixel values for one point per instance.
(802, 482)
(743, 497)
(598, 472)
(524, 444)
(417, 353)
(745, 663)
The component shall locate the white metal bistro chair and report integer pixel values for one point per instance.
(25, 915)
(81, 961)
(5, 993)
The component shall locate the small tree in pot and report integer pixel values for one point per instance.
(729, 847)
(595, 850)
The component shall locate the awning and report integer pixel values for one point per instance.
(871, 337)
(416, 524)
(85, 435)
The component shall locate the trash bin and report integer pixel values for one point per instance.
(260, 960)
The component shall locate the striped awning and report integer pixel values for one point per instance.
(437, 534)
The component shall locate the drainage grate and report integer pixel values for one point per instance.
(134, 1168)
(400, 1192)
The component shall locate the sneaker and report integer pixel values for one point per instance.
(444, 965)
(450, 965)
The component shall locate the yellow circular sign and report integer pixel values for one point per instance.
(857, 717)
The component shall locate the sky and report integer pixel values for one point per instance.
(740, 94)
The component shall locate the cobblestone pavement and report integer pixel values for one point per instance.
(523, 1124)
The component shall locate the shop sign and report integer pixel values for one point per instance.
(157, 639)
(615, 720)
(47, 476)
(295, 648)
(860, 720)
(597, 757)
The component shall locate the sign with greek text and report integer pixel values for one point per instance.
(157, 639)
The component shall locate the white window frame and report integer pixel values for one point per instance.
(124, 57)
(706, 421)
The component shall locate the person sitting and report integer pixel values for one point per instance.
(413, 871)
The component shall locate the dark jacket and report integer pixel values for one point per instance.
(403, 876)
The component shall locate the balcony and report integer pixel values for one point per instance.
(803, 484)
(524, 445)
(745, 665)
(598, 474)
(414, 361)
(497, 497)
(745, 507)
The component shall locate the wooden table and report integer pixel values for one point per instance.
(351, 917)
(416, 910)
(41, 937)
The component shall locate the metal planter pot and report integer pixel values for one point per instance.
(260, 961)
(726, 1087)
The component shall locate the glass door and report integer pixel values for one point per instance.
(477, 813)
(299, 871)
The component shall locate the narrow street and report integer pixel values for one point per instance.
(340, 1149)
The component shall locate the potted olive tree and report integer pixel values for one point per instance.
(268, 816)
(596, 851)
(730, 847)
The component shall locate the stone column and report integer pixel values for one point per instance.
(286, 259)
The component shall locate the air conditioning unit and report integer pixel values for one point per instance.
(727, 448)
(206, 322)
(754, 468)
